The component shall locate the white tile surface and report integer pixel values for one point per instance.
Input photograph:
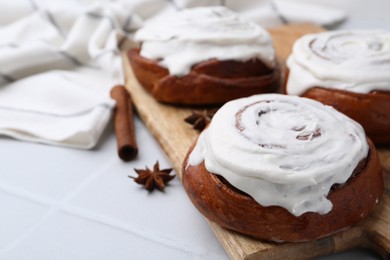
(65, 236)
(49, 171)
(17, 217)
(75, 204)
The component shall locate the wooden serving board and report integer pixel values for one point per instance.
(175, 136)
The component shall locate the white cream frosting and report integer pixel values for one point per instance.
(356, 61)
(190, 36)
(282, 150)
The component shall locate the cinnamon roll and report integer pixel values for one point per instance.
(204, 55)
(349, 70)
(283, 168)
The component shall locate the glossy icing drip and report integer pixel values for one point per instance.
(357, 61)
(199, 34)
(282, 150)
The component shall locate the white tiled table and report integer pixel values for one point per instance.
(61, 203)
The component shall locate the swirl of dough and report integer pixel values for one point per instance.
(282, 150)
(357, 61)
(199, 34)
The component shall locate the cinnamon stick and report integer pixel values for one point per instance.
(124, 124)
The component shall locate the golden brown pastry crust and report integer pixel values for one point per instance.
(371, 110)
(209, 82)
(231, 209)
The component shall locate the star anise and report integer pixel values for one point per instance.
(152, 179)
(200, 119)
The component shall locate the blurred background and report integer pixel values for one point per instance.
(376, 12)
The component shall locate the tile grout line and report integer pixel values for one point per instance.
(54, 207)
(127, 229)
(21, 194)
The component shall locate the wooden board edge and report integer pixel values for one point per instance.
(234, 243)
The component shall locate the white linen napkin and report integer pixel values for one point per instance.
(59, 60)
(57, 65)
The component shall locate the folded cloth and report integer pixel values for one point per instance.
(59, 59)
(64, 112)
(57, 65)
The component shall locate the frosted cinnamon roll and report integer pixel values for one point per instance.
(348, 70)
(283, 168)
(204, 55)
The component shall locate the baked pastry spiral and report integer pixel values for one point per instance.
(283, 168)
(204, 55)
(348, 70)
